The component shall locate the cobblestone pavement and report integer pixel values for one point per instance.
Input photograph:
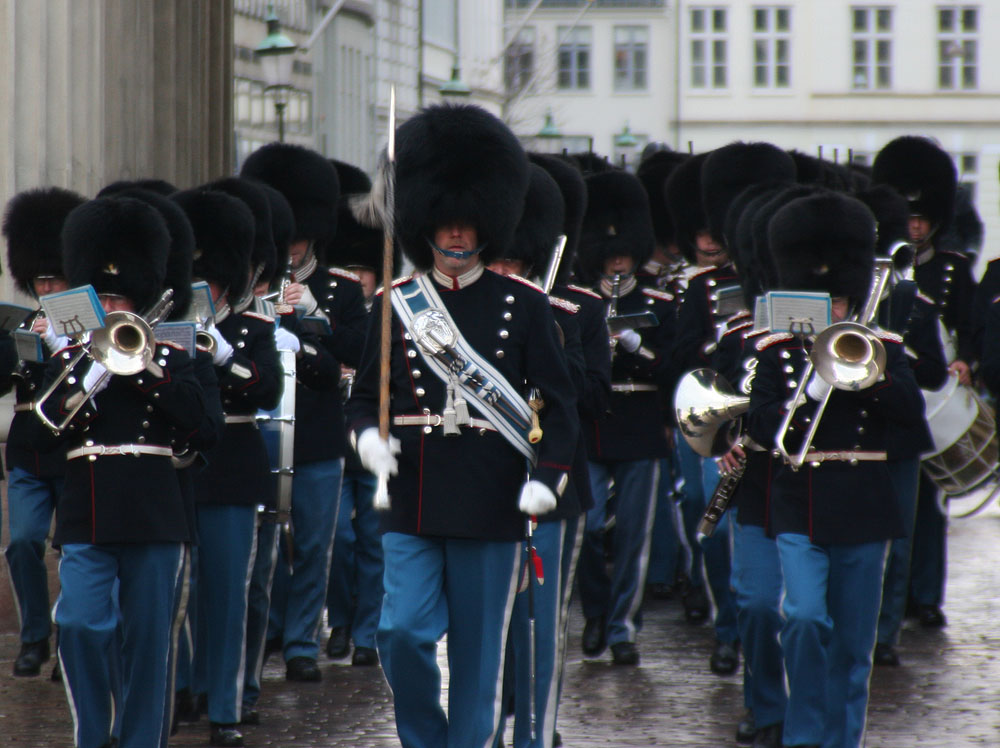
(944, 694)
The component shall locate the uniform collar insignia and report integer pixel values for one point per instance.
(454, 284)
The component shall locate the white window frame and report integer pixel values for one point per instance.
(772, 47)
(958, 48)
(520, 50)
(874, 73)
(575, 41)
(708, 47)
(631, 46)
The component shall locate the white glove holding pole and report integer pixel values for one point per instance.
(93, 377)
(818, 387)
(285, 340)
(223, 349)
(629, 340)
(378, 455)
(536, 498)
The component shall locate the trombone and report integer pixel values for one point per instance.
(125, 346)
(847, 355)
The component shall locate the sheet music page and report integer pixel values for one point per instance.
(798, 311)
(181, 333)
(74, 312)
(28, 346)
(202, 307)
(12, 315)
(761, 320)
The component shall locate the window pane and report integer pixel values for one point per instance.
(882, 76)
(719, 20)
(969, 77)
(945, 77)
(882, 50)
(718, 51)
(719, 76)
(969, 163)
(783, 22)
(969, 52)
(583, 79)
(697, 20)
(639, 58)
(860, 52)
(697, 51)
(970, 19)
(698, 76)
(781, 76)
(860, 20)
(946, 19)
(640, 78)
(860, 79)
(781, 51)
(760, 19)
(760, 51)
(883, 19)
(760, 75)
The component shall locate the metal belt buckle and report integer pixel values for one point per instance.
(432, 331)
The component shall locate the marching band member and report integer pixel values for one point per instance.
(235, 480)
(354, 591)
(925, 175)
(833, 517)
(310, 184)
(121, 521)
(626, 444)
(463, 486)
(36, 464)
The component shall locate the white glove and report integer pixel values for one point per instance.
(629, 340)
(377, 455)
(52, 341)
(223, 349)
(536, 498)
(308, 300)
(90, 379)
(284, 340)
(818, 387)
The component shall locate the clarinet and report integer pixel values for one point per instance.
(720, 500)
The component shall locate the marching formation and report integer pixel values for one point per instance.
(743, 377)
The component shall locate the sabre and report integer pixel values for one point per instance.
(381, 500)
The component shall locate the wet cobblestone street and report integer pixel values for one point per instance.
(946, 693)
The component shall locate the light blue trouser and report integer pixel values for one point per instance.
(91, 645)
(228, 540)
(259, 606)
(832, 598)
(31, 502)
(757, 588)
(298, 595)
(905, 476)
(619, 598)
(701, 476)
(354, 592)
(464, 588)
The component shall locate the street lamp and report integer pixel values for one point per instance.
(455, 86)
(275, 54)
(625, 144)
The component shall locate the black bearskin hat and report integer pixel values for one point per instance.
(118, 245)
(178, 275)
(31, 225)
(756, 271)
(355, 244)
(965, 232)
(727, 171)
(263, 255)
(282, 231)
(616, 223)
(739, 248)
(921, 172)
(309, 183)
(159, 186)
(818, 171)
(457, 164)
(589, 162)
(653, 171)
(223, 234)
(891, 213)
(574, 195)
(824, 242)
(541, 222)
(683, 194)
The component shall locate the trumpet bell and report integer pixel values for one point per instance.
(708, 412)
(848, 356)
(205, 341)
(125, 344)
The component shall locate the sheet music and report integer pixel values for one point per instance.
(181, 333)
(798, 311)
(12, 315)
(202, 307)
(761, 320)
(28, 346)
(74, 312)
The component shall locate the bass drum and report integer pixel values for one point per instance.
(963, 428)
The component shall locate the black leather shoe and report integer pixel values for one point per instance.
(303, 670)
(30, 658)
(339, 643)
(249, 715)
(364, 657)
(185, 707)
(594, 636)
(659, 591)
(271, 646)
(696, 606)
(556, 740)
(725, 658)
(769, 737)
(225, 735)
(56, 676)
(624, 653)
(931, 617)
(885, 654)
(746, 730)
